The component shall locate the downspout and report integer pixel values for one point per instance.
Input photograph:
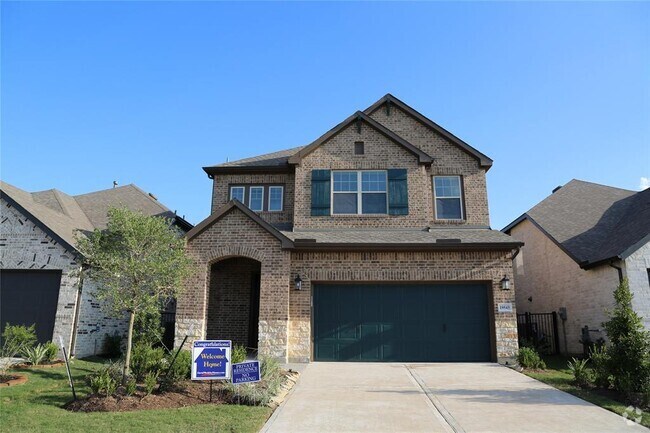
(619, 269)
(77, 308)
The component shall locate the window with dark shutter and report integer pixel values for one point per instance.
(320, 192)
(398, 196)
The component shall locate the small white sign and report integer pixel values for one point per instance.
(504, 307)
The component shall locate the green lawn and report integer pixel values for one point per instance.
(558, 375)
(36, 406)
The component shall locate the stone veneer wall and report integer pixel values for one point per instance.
(229, 299)
(236, 235)
(381, 153)
(449, 159)
(553, 280)
(221, 192)
(489, 266)
(636, 270)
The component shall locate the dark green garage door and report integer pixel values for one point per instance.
(401, 322)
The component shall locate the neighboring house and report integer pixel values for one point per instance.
(39, 262)
(580, 241)
(372, 243)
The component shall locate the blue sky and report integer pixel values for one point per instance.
(148, 93)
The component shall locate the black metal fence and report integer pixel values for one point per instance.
(539, 330)
(168, 322)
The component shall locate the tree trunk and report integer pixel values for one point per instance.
(129, 339)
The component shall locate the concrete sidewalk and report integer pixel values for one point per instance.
(378, 397)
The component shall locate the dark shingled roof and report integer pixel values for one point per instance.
(63, 215)
(593, 223)
(274, 159)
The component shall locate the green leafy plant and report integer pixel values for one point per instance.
(238, 354)
(35, 355)
(581, 375)
(51, 352)
(259, 393)
(150, 381)
(529, 358)
(146, 359)
(112, 345)
(629, 349)
(17, 338)
(180, 369)
(130, 387)
(600, 365)
(137, 262)
(147, 328)
(104, 381)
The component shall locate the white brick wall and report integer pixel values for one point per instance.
(23, 245)
(636, 270)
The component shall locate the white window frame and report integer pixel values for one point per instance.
(250, 196)
(359, 192)
(459, 197)
(243, 188)
(281, 188)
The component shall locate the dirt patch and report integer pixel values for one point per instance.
(52, 364)
(185, 394)
(12, 379)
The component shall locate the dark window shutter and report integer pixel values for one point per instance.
(398, 193)
(320, 192)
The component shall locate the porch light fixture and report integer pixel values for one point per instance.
(505, 283)
(298, 282)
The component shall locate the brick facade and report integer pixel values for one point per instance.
(23, 245)
(637, 270)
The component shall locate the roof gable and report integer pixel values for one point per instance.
(388, 100)
(359, 116)
(592, 223)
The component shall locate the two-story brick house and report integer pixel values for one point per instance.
(372, 243)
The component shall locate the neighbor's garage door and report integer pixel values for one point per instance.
(30, 297)
(401, 322)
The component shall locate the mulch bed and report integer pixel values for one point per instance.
(12, 379)
(57, 363)
(185, 394)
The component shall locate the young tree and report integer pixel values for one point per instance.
(137, 262)
(629, 350)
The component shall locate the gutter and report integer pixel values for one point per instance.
(619, 269)
(314, 246)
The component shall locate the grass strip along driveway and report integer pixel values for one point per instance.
(37, 406)
(558, 375)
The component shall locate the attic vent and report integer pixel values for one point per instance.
(359, 148)
(557, 188)
(153, 196)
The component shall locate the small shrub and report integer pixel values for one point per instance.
(150, 381)
(130, 387)
(529, 358)
(104, 381)
(600, 366)
(17, 338)
(238, 354)
(629, 351)
(581, 375)
(35, 355)
(145, 359)
(259, 393)
(147, 328)
(112, 345)
(179, 371)
(51, 351)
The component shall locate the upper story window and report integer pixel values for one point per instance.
(359, 192)
(448, 199)
(259, 198)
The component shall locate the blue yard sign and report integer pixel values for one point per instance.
(246, 372)
(211, 359)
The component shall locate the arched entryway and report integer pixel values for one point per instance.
(233, 301)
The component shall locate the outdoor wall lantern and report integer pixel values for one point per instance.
(298, 282)
(505, 283)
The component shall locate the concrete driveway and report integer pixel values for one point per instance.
(376, 398)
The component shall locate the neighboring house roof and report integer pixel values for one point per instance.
(61, 215)
(448, 239)
(282, 160)
(592, 223)
(483, 159)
